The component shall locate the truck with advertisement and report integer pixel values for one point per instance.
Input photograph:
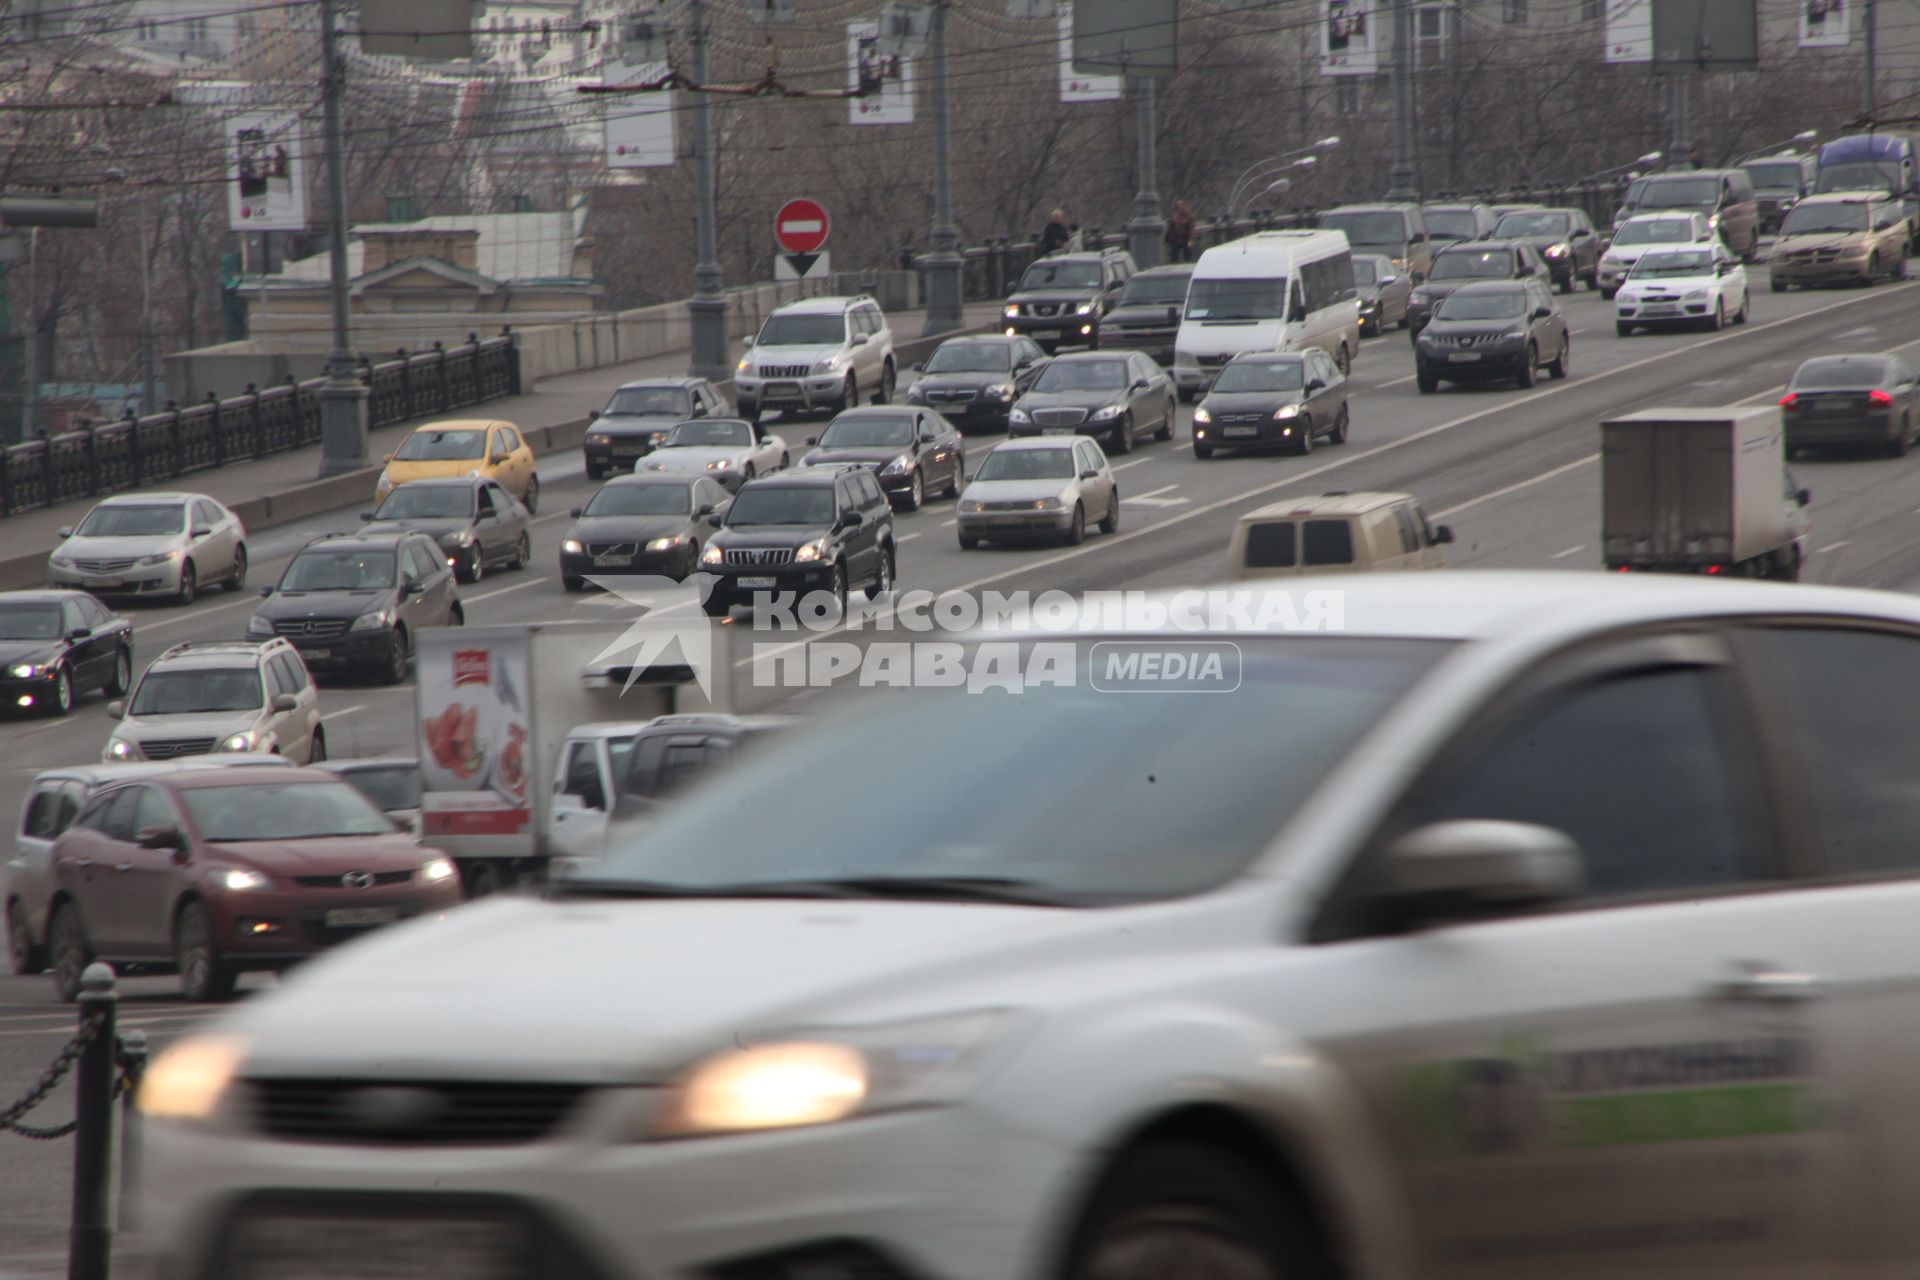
(510, 717)
(1701, 491)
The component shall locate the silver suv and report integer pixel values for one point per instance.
(819, 354)
(226, 696)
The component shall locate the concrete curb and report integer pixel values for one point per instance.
(355, 488)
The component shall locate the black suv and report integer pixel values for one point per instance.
(818, 529)
(670, 753)
(354, 602)
(1060, 301)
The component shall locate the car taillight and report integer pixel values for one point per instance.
(1789, 400)
(1879, 397)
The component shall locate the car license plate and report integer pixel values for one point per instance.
(751, 583)
(106, 584)
(316, 655)
(1056, 431)
(1658, 311)
(299, 1247)
(613, 559)
(361, 917)
(1464, 357)
(1239, 431)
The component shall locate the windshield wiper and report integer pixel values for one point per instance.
(1005, 889)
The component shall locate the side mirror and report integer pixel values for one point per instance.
(706, 509)
(1298, 314)
(1463, 868)
(78, 634)
(918, 366)
(573, 513)
(927, 437)
(1089, 475)
(1173, 315)
(593, 415)
(401, 824)
(1541, 313)
(388, 458)
(64, 531)
(1139, 384)
(812, 440)
(1804, 497)
(1580, 233)
(1315, 384)
(852, 520)
(858, 340)
(366, 515)
(1387, 280)
(746, 343)
(1443, 533)
(284, 702)
(499, 458)
(117, 709)
(409, 587)
(714, 521)
(158, 838)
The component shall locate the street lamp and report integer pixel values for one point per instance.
(1253, 170)
(1652, 157)
(1797, 140)
(1278, 184)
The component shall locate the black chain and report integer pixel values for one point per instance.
(49, 1081)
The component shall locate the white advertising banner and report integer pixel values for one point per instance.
(885, 81)
(475, 754)
(1348, 34)
(1824, 24)
(266, 172)
(639, 125)
(1629, 30)
(1079, 86)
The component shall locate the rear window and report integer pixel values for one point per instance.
(1327, 542)
(1839, 375)
(1270, 546)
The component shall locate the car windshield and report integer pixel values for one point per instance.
(1155, 290)
(1673, 264)
(209, 689)
(426, 502)
(128, 520)
(731, 435)
(1814, 219)
(1477, 264)
(442, 446)
(1449, 224)
(1368, 228)
(1365, 272)
(1683, 193)
(1061, 275)
(641, 500)
(1027, 464)
(1260, 375)
(971, 357)
(1083, 375)
(649, 402)
(1861, 176)
(1504, 305)
(1543, 223)
(1850, 372)
(868, 431)
(1168, 797)
(343, 570)
(803, 331)
(776, 504)
(1656, 231)
(29, 621)
(282, 811)
(1775, 177)
(1253, 298)
(388, 787)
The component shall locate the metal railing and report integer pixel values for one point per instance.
(135, 451)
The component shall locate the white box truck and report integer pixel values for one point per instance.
(1701, 491)
(503, 710)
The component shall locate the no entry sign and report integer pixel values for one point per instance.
(800, 226)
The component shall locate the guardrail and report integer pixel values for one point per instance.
(135, 451)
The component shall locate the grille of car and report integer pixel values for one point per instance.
(312, 628)
(338, 882)
(1811, 255)
(783, 371)
(1059, 417)
(1467, 339)
(949, 395)
(1227, 419)
(1042, 308)
(612, 548)
(168, 748)
(1007, 506)
(104, 566)
(759, 555)
(411, 1113)
(1213, 362)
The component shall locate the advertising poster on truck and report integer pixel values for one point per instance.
(475, 740)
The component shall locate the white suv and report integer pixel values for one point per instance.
(817, 354)
(197, 699)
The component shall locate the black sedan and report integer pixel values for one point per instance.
(646, 523)
(639, 416)
(1384, 292)
(474, 519)
(1852, 400)
(1115, 396)
(973, 381)
(1273, 401)
(1493, 333)
(57, 644)
(1147, 315)
(1463, 264)
(1563, 237)
(910, 451)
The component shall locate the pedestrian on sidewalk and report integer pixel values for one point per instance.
(1055, 236)
(1180, 229)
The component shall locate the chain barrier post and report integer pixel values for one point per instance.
(133, 1065)
(90, 1250)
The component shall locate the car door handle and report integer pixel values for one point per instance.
(1768, 984)
(123, 866)
(83, 862)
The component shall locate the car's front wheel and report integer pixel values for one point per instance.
(532, 500)
(883, 580)
(473, 566)
(916, 494)
(60, 699)
(205, 975)
(68, 951)
(22, 954)
(395, 668)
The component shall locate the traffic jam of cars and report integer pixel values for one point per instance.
(1440, 914)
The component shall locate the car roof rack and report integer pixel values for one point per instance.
(214, 646)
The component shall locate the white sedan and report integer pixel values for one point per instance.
(1643, 233)
(730, 450)
(153, 544)
(1696, 284)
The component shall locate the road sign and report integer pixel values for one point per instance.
(801, 266)
(801, 226)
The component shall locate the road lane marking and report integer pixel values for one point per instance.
(195, 616)
(344, 712)
(1562, 555)
(1137, 462)
(1835, 546)
(500, 591)
(1515, 488)
(1153, 493)
(906, 537)
(948, 524)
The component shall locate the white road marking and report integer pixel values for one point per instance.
(344, 712)
(906, 537)
(1152, 493)
(1137, 462)
(1515, 488)
(1562, 555)
(1158, 502)
(1835, 546)
(195, 615)
(948, 524)
(500, 591)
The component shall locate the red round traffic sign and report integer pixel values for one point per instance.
(801, 226)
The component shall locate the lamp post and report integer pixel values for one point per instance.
(1278, 184)
(1800, 139)
(1253, 170)
(1146, 228)
(343, 398)
(1652, 157)
(943, 261)
(707, 309)
(1400, 178)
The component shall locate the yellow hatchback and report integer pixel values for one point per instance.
(464, 447)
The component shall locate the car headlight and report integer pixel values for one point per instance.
(259, 625)
(476, 473)
(164, 557)
(61, 562)
(436, 869)
(834, 1075)
(187, 1081)
(745, 365)
(1696, 295)
(572, 547)
(973, 506)
(1107, 411)
(384, 485)
(373, 621)
(1084, 309)
(667, 544)
(655, 439)
(1000, 391)
(1201, 416)
(915, 395)
(120, 749)
(1010, 311)
(824, 366)
(1556, 251)
(1420, 295)
(1714, 221)
(462, 538)
(720, 465)
(1019, 415)
(714, 554)
(1047, 504)
(237, 741)
(811, 551)
(600, 439)
(898, 467)
(1286, 411)
(239, 878)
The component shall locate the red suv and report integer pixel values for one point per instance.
(227, 870)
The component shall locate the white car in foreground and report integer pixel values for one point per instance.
(1441, 925)
(730, 451)
(1644, 232)
(1691, 285)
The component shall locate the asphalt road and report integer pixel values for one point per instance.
(1514, 472)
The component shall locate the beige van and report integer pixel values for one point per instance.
(1337, 532)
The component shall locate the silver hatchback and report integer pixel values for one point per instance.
(1042, 486)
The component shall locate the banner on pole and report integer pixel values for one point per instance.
(1348, 38)
(266, 171)
(639, 125)
(1629, 31)
(1824, 24)
(1080, 86)
(884, 83)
